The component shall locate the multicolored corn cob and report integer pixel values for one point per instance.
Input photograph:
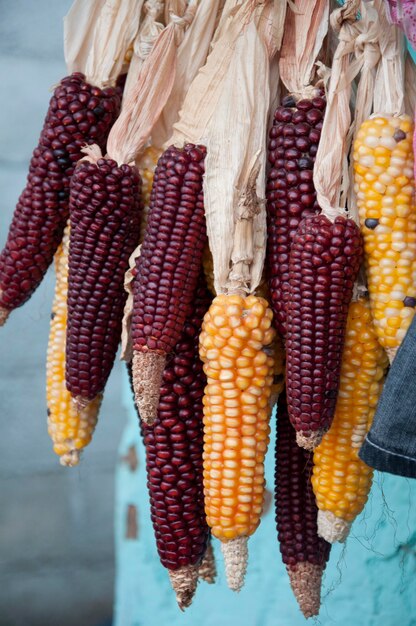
(303, 552)
(105, 224)
(70, 430)
(174, 459)
(384, 183)
(294, 139)
(147, 165)
(235, 346)
(167, 269)
(324, 262)
(78, 114)
(341, 481)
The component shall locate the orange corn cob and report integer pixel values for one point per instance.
(235, 348)
(70, 429)
(384, 182)
(341, 481)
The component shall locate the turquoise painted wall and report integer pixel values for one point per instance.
(371, 581)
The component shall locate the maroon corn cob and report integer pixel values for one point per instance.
(105, 218)
(78, 114)
(290, 192)
(303, 552)
(324, 262)
(174, 459)
(167, 269)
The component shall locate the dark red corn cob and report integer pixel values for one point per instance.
(303, 552)
(324, 263)
(167, 269)
(290, 192)
(174, 458)
(105, 218)
(78, 114)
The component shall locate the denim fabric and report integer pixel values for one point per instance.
(390, 445)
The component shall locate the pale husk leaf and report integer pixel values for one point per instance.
(146, 99)
(79, 25)
(192, 54)
(174, 7)
(389, 84)
(410, 86)
(222, 111)
(114, 33)
(306, 27)
(150, 28)
(331, 165)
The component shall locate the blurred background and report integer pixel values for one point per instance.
(58, 564)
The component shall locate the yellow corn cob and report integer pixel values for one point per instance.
(341, 481)
(384, 182)
(235, 348)
(147, 165)
(70, 429)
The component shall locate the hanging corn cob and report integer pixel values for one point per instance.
(78, 114)
(303, 552)
(105, 222)
(147, 166)
(207, 571)
(341, 481)
(291, 196)
(324, 262)
(234, 346)
(81, 111)
(70, 430)
(384, 178)
(167, 269)
(174, 460)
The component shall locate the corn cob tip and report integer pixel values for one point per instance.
(184, 581)
(235, 554)
(80, 403)
(305, 580)
(391, 352)
(208, 570)
(148, 370)
(332, 528)
(70, 458)
(4, 314)
(309, 441)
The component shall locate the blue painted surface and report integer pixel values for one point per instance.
(369, 582)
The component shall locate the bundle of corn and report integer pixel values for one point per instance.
(293, 144)
(69, 428)
(81, 111)
(341, 481)
(105, 212)
(324, 262)
(303, 552)
(174, 460)
(384, 178)
(234, 346)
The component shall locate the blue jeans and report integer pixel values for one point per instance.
(390, 445)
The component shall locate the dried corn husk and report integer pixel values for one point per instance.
(409, 85)
(331, 164)
(97, 36)
(223, 111)
(306, 27)
(150, 28)
(389, 84)
(149, 93)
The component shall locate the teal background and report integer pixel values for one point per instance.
(369, 582)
